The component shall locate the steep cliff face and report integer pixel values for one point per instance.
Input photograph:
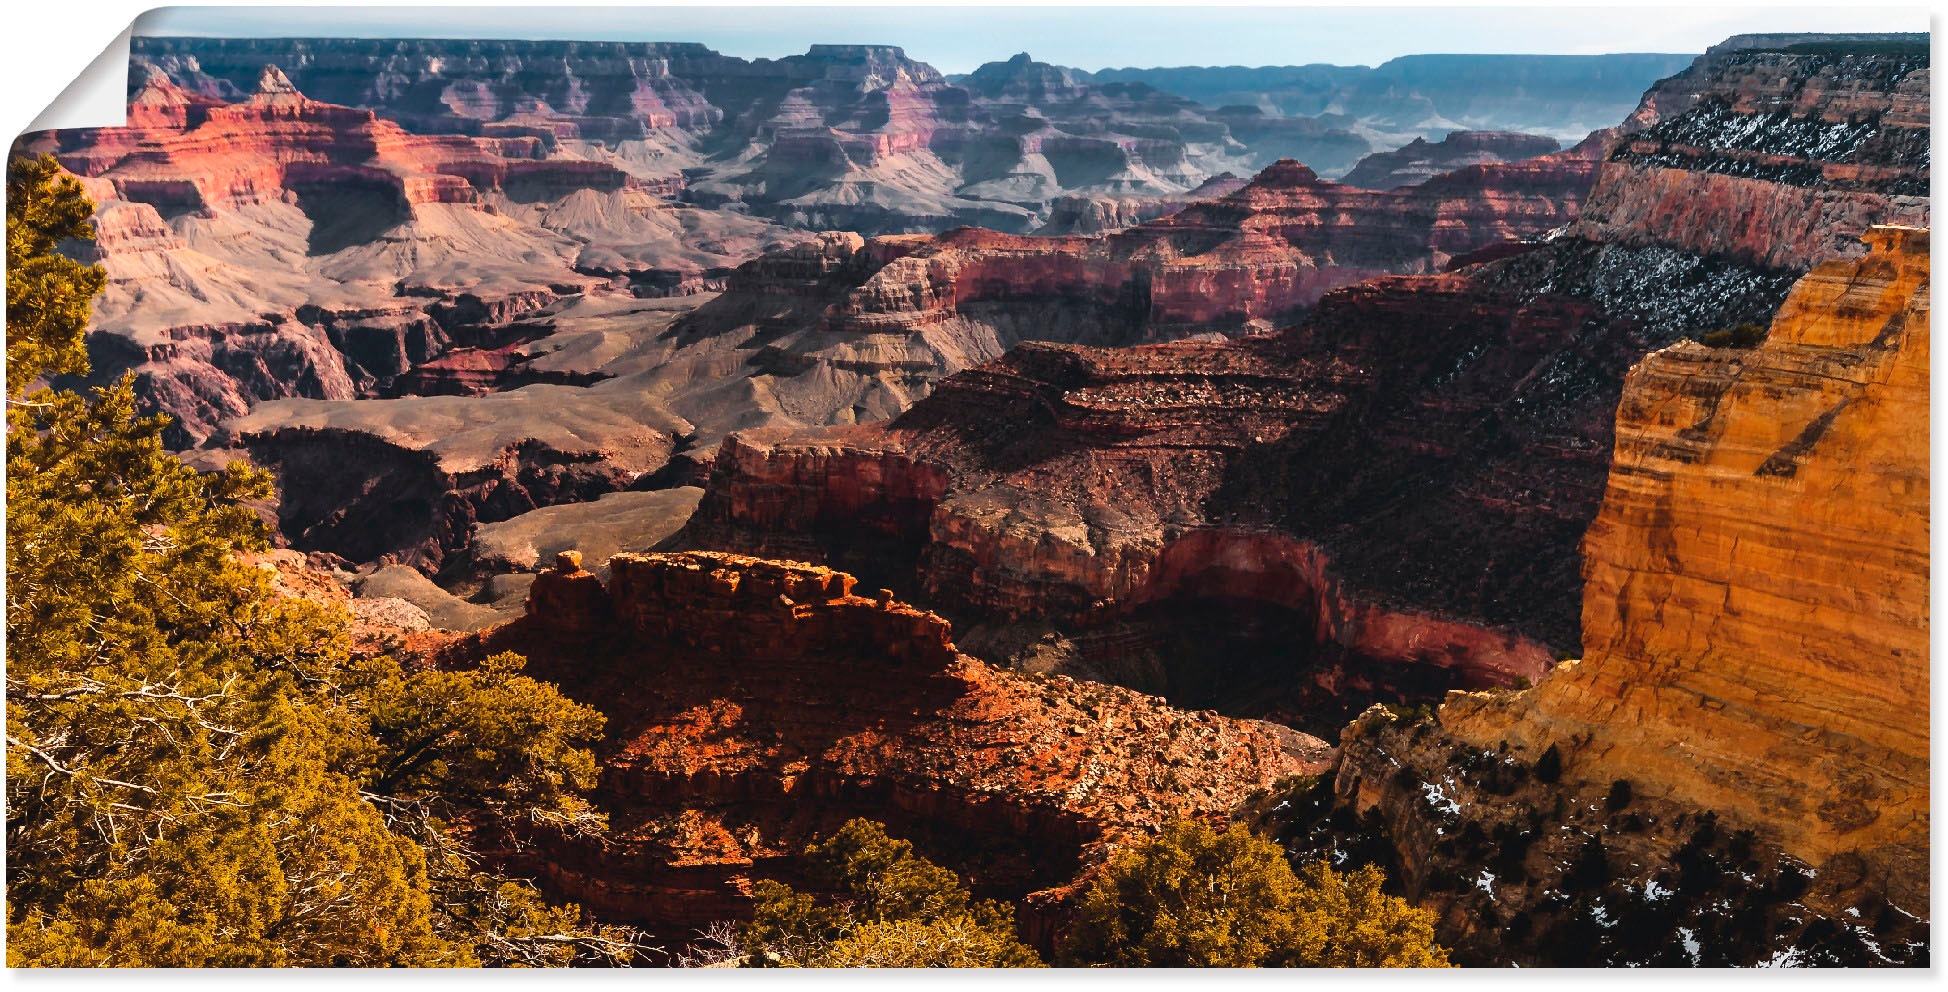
(1756, 584)
(1776, 159)
(1755, 657)
(754, 705)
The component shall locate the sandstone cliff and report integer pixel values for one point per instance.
(1755, 667)
(1755, 607)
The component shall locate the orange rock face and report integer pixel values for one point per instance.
(755, 704)
(1756, 606)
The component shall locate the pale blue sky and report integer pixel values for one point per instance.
(956, 39)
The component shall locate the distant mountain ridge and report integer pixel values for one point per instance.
(1562, 96)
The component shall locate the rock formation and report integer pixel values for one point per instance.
(1756, 583)
(856, 137)
(283, 247)
(1777, 161)
(1755, 666)
(1086, 488)
(1420, 160)
(1440, 442)
(739, 690)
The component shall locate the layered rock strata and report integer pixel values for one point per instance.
(1772, 158)
(281, 246)
(755, 705)
(1755, 667)
(1756, 583)
(859, 137)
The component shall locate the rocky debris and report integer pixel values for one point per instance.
(1525, 863)
(740, 690)
(1791, 665)
(1420, 160)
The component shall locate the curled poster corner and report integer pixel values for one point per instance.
(98, 97)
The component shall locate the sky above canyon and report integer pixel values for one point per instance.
(959, 38)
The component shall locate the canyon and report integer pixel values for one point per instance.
(1427, 451)
(1453, 464)
(857, 382)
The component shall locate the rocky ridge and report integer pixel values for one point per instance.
(1420, 160)
(737, 689)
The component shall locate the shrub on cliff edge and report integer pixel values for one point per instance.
(893, 909)
(1198, 898)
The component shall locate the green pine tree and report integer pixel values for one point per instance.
(199, 773)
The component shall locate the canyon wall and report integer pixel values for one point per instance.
(1755, 605)
(1736, 771)
(854, 137)
(1776, 159)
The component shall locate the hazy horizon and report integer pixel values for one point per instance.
(960, 39)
